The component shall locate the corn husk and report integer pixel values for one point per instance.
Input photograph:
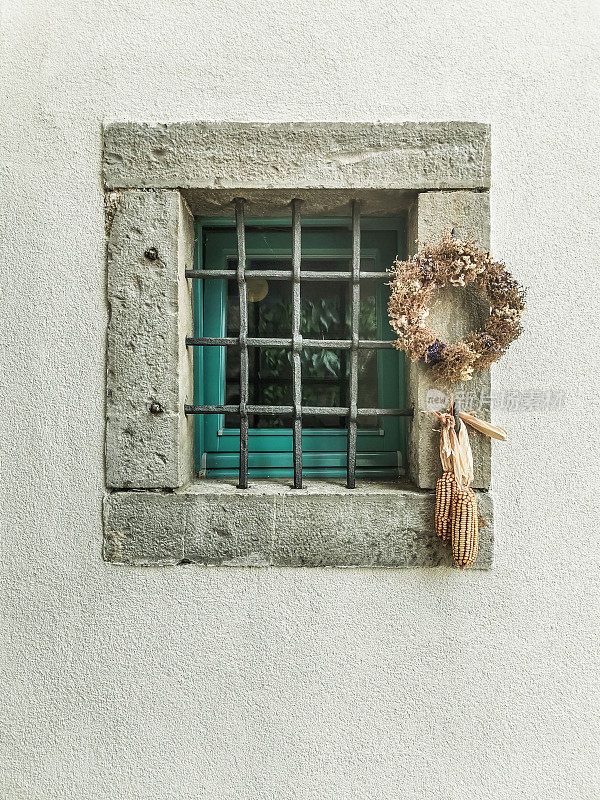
(495, 431)
(455, 451)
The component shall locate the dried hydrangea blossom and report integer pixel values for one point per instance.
(455, 262)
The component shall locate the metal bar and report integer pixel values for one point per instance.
(354, 327)
(296, 342)
(283, 275)
(268, 380)
(221, 341)
(385, 412)
(307, 411)
(321, 344)
(270, 411)
(241, 281)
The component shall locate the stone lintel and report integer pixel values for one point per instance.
(297, 155)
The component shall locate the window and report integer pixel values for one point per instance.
(325, 376)
(168, 189)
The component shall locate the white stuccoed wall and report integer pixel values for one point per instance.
(186, 683)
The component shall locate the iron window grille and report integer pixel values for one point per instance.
(296, 343)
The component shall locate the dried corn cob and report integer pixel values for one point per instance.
(465, 528)
(444, 492)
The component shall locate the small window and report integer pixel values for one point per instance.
(325, 315)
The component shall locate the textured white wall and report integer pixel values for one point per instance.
(196, 683)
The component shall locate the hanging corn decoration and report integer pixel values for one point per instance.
(455, 503)
(465, 528)
(446, 486)
(444, 496)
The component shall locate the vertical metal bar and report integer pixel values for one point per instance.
(296, 342)
(354, 322)
(241, 281)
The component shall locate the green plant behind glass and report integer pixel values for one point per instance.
(321, 317)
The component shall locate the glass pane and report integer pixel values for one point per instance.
(325, 314)
(324, 383)
(269, 368)
(326, 310)
(367, 385)
(326, 304)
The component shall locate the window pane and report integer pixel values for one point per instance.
(269, 368)
(367, 385)
(325, 314)
(324, 383)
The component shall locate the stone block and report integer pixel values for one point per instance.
(453, 314)
(271, 524)
(150, 245)
(222, 155)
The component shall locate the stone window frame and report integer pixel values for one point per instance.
(155, 511)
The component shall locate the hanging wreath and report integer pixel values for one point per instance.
(455, 262)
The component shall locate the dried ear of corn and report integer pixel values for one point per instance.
(465, 528)
(455, 503)
(444, 495)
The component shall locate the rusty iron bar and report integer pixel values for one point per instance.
(296, 342)
(354, 327)
(282, 275)
(307, 411)
(241, 281)
(321, 344)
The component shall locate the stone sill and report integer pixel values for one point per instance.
(213, 523)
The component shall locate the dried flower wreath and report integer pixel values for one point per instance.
(456, 262)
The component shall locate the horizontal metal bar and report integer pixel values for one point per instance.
(283, 274)
(308, 411)
(311, 380)
(320, 344)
